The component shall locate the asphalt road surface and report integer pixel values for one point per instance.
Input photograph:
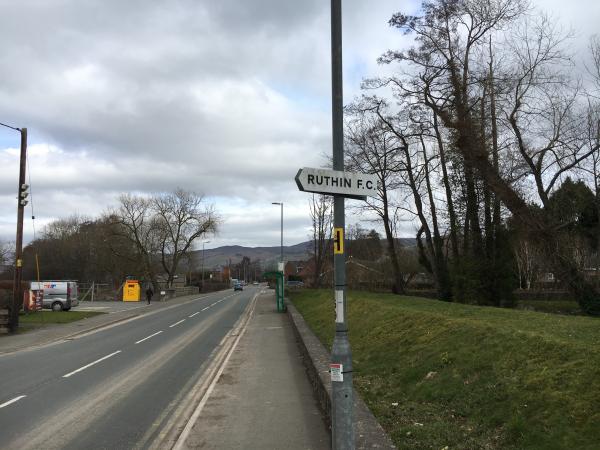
(114, 388)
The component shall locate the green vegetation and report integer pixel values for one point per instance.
(570, 307)
(41, 318)
(441, 374)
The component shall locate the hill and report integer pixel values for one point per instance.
(267, 255)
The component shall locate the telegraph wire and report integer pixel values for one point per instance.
(8, 126)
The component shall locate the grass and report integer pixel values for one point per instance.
(41, 318)
(569, 307)
(440, 374)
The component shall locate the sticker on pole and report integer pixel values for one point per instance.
(336, 372)
(338, 241)
(339, 306)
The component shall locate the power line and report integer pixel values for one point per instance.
(8, 126)
(31, 196)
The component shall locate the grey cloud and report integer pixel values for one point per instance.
(225, 97)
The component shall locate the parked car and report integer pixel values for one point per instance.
(255, 283)
(59, 295)
(238, 287)
(292, 283)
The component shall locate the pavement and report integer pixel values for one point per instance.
(262, 398)
(258, 397)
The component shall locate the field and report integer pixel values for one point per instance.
(440, 374)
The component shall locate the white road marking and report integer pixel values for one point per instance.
(91, 364)
(10, 402)
(176, 323)
(212, 304)
(148, 337)
(192, 315)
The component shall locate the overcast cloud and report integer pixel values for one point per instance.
(226, 98)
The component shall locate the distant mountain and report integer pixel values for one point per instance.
(269, 256)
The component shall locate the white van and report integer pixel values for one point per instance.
(58, 295)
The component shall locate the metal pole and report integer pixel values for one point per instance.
(17, 291)
(202, 266)
(342, 423)
(282, 235)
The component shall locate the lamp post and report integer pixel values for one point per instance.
(280, 280)
(281, 203)
(342, 409)
(203, 242)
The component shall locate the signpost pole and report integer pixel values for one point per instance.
(341, 357)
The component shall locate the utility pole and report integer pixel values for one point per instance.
(22, 194)
(342, 423)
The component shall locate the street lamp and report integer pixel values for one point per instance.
(203, 242)
(281, 203)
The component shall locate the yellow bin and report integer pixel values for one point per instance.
(131, 291)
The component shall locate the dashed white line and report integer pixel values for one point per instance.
(148, 337)
(204, 309)
(91, 364)
(10, 402)
(192, 315)
(176, 323)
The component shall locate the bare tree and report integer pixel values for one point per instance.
(180, 218)
(373, 148)
(6, 251)
(321, 215)
(446, 78)
(135, 221)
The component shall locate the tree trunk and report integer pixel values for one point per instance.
(440, 267)
(448, 189)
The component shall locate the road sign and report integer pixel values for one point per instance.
(347, 184)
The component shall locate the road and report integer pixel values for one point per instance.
(116, 387)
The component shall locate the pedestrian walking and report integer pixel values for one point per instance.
(149, 294)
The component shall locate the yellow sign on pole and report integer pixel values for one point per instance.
(338, 241)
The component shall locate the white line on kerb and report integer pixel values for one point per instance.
(10, 402)
(91, 364)
(176, 323)
(192, 315)
(148, 337)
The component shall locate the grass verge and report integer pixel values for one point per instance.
(41, 318)
(441, 374)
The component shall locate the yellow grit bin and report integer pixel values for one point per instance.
(131, 291)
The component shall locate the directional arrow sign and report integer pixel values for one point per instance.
(347, 184)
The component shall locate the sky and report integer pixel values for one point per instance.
(224, 98)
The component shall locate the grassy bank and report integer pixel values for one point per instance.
(438, 374)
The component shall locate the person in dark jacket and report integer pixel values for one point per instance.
(149, 294)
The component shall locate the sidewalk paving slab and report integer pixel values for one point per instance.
(263, 399)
